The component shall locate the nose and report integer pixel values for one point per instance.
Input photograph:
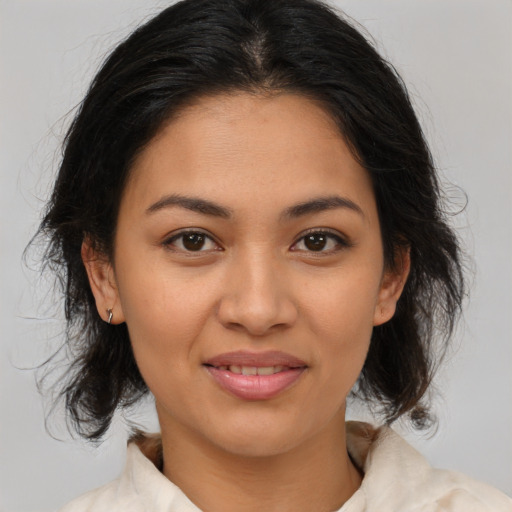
(257, 297)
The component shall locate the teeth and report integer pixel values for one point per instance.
(253, 370)
(266, 370)
(270, 370)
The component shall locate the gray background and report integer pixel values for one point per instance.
(456, 57)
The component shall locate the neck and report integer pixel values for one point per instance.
(316, 476)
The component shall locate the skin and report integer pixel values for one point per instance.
(254, 285)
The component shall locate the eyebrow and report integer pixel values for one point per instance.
(321, 204)
(206, 207)
(191, 203)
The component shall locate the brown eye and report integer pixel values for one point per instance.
(321, 242)
(191, 241)
(316, 242)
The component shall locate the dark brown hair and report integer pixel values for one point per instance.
(199, 47)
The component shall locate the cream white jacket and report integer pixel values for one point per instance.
(396, 479)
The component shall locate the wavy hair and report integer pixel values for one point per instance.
(203, 47)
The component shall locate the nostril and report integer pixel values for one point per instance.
(255, 301)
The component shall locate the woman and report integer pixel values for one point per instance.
(248, 220)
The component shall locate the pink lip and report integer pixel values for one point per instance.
(255, 387)
(258, 359)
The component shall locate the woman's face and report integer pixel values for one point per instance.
(249, 269)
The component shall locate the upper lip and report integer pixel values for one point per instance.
(256, 359)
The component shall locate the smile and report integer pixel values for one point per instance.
(253, 370)
(251, 376)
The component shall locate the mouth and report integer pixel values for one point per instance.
(255, 376)
(253, 370)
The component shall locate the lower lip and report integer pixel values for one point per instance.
(255, 387)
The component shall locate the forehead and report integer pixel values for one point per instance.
(272, 124)
(245, 149)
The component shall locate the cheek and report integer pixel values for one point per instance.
(343, 305)
(164, 315)
(163, 327)
(340, 314)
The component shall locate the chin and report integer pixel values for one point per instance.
(257, 437)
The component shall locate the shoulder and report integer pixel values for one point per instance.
(399, 479)
(120, 494)
(106, 498)
(140, 488)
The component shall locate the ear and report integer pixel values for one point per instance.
(102, 281)
(392, 285)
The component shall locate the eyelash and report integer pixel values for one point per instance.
(341, 242)
(169, 243)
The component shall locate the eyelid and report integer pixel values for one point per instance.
(172, 237)
(343, 241)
